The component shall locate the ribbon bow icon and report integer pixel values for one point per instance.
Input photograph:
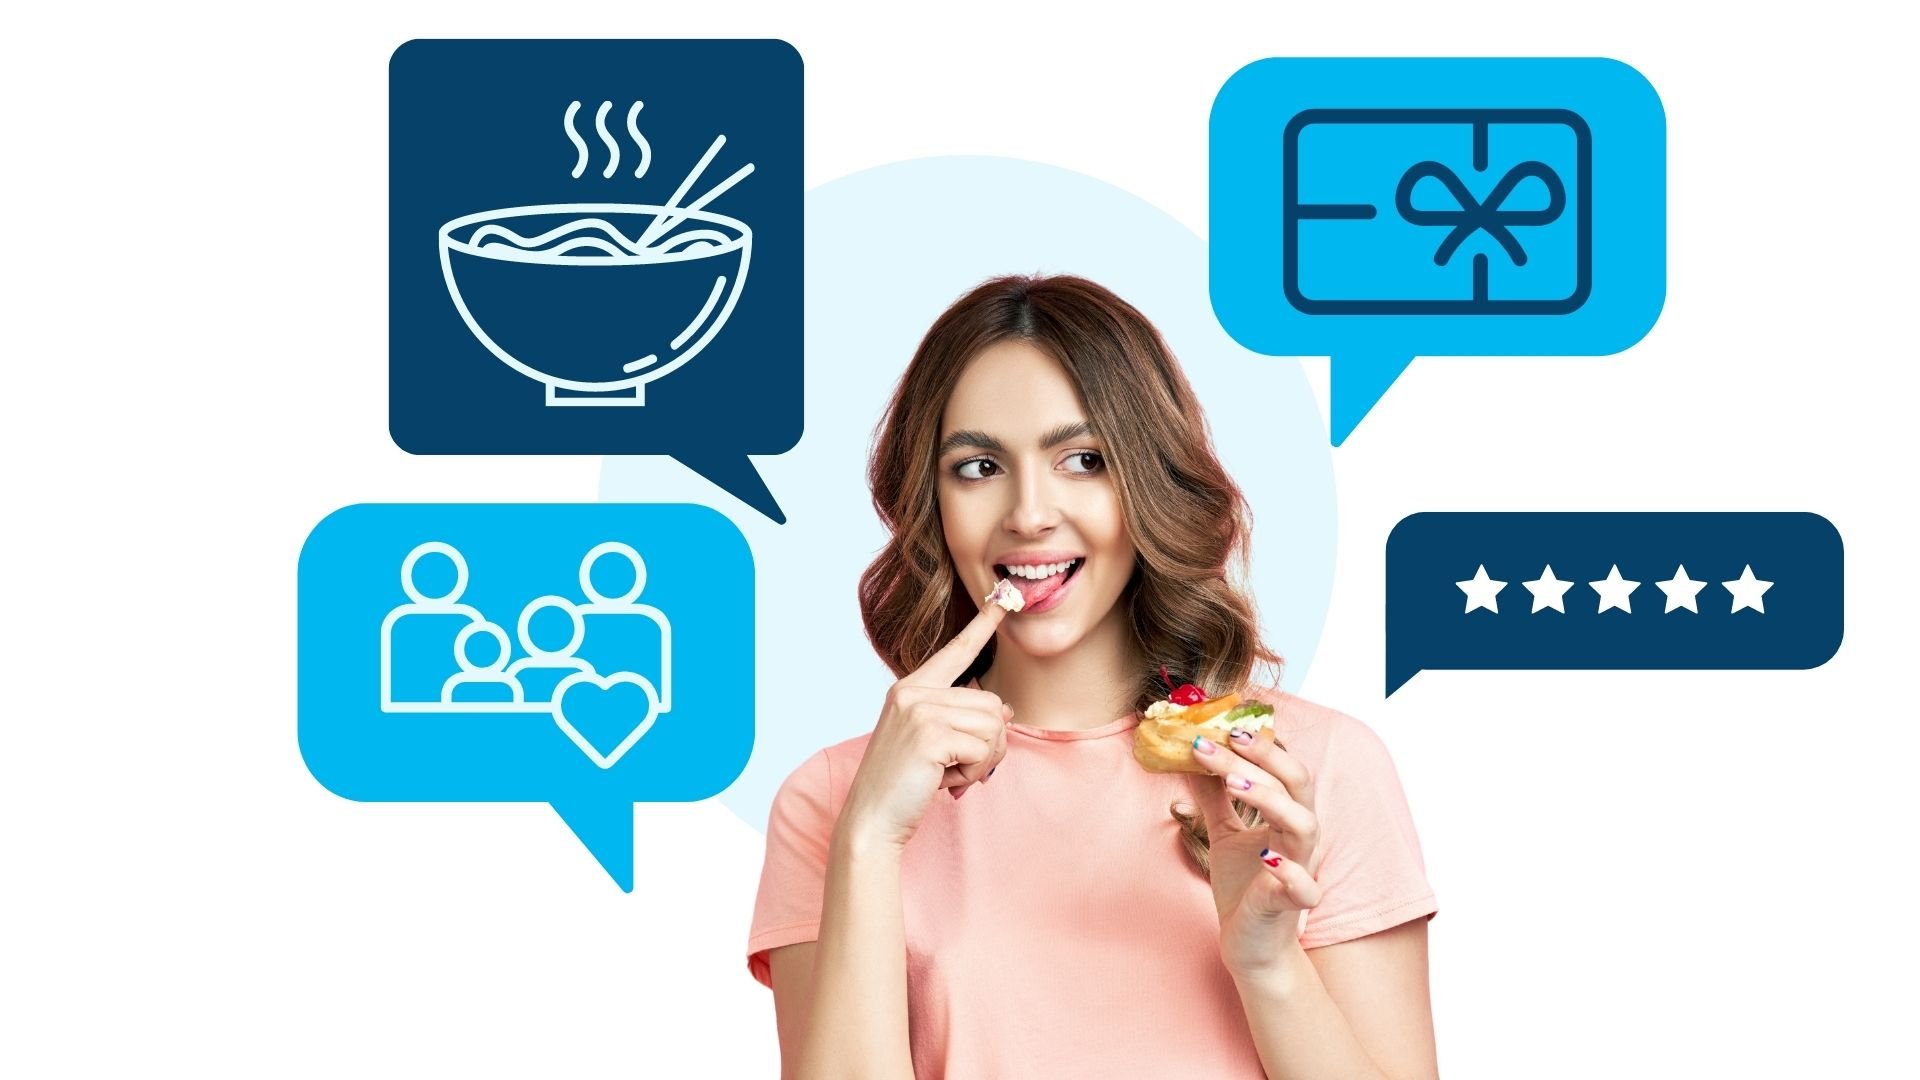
(1474, 216)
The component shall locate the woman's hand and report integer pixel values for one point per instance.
(1262, 877)
(930, 735)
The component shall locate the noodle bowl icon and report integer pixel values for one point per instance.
(595, 298)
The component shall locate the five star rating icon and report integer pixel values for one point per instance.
(1619, 590)
(1615, 591)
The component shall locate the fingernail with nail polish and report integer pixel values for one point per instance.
(1240, 783)
(1241, 736)
(1203, 745)
(1271, 857)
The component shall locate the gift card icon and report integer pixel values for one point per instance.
(1438, 211)
(1373, 210)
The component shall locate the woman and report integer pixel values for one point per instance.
(1079, 916)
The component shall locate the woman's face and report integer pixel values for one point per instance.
(1025, 494)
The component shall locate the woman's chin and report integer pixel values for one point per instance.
(1041, 639)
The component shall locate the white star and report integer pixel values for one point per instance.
(1548, 591)
(1614, 590)
(1481, 591)
(1747, 591)
(1681, 590)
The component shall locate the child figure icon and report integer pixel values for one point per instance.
(435, 655)
(478, 683)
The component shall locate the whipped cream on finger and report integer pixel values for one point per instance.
(1006, 595)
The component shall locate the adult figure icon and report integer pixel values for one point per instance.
(548, 660)
(417, 639)
(478, 684)
(621, 633)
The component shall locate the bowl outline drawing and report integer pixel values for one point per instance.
(721, 296)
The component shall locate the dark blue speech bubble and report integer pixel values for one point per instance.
(595, 248)
(1474, 591)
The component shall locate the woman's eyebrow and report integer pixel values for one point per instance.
(1077, 429)
(969, 437)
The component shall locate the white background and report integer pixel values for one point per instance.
(1654, 874)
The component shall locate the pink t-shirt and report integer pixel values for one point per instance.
(1052, 912)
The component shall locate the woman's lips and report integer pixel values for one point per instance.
(1045, 593)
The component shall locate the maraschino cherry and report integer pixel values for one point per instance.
(1185, 693)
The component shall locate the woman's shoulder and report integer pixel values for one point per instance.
(829, 770)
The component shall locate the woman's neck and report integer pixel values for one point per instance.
(1087, 686)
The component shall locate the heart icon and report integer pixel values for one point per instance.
(605, 715)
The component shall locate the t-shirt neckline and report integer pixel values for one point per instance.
(1111, 727)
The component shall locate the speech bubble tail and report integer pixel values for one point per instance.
(1355, 384)
(607, 830)
(736, 475)
(1397, 677)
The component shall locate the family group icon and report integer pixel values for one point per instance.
(416, 676)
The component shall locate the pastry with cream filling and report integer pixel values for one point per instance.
(1163, 741)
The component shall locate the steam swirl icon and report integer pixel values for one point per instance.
(597, 299)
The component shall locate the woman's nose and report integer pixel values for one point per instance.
(1034, 508)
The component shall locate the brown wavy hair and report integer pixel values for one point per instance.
(1188, 521)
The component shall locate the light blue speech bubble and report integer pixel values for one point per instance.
(588, 656)
(1372, 210)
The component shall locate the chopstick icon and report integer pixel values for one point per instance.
(668, 219)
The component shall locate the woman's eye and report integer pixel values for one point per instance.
(1088, 460)
(976, 469)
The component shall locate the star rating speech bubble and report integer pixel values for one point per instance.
(1474, 591)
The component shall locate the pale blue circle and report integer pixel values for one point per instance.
(887, 250)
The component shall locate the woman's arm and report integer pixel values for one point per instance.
(854, 1014)
(1356, 1009)
(931, 736)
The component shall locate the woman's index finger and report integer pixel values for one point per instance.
(943, 667)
